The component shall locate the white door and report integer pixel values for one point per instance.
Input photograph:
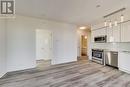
(43, 44)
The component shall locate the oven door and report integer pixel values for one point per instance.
(98, 55)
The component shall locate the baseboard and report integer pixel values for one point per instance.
(64, 62)
(44, 60)
(124, 70)
(3, 75)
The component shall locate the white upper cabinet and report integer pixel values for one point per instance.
(116, 33)
(101, 32)
(113, 34)
(120, 33)
(93, 34)
(110, 37)
(125, 32)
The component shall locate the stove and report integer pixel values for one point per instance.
(98, 55)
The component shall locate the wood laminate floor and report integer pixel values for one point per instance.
(41, 64)
(75, 74)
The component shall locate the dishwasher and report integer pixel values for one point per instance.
(111, 58)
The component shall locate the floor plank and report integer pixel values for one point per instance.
(76, 74)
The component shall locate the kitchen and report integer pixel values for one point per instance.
(111, 41)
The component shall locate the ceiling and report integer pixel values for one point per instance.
(80, 12)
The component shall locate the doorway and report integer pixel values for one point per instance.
(83, 41)
(43, 48)
(83, 47)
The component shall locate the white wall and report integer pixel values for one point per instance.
(2, 48)
(21, 42)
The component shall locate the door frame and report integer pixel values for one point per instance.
(81, 45)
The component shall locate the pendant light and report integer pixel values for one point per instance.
(115, 23)
(122, 18)
(85, 37)
(110, 24)
(105, 23)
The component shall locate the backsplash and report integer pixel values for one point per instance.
(112, 46)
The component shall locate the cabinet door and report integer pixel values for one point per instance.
(101, 32)
(110, 37)
(116, 33)
(113, 34)
(125, 32)
(93, 34)
(124, 61)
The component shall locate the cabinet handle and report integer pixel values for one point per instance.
(115, 53)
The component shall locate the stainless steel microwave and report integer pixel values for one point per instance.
(100, 39)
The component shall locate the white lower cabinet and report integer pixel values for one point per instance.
(124, 61)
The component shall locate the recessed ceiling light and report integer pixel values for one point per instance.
(97, 6)
(85, 37)
(82, 28)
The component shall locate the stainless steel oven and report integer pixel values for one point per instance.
(98, 55)
(100, 39)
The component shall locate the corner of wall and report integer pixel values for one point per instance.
(3, 65)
